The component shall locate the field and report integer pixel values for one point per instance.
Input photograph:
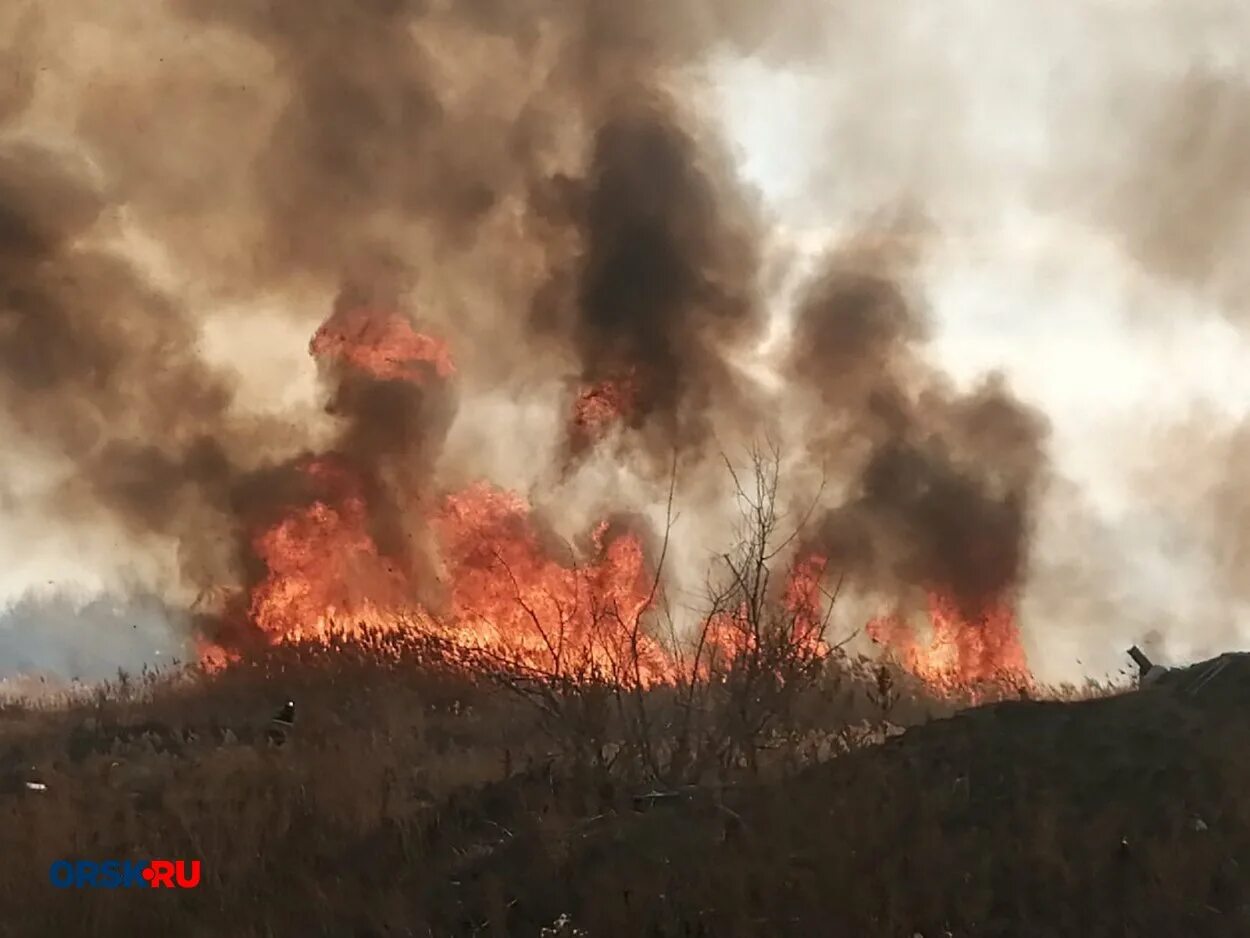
(413, 798)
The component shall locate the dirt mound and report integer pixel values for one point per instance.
(1118, 816)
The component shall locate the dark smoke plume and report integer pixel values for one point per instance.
(665, 279)
(945, 484)
(368, 145)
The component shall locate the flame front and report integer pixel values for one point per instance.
(502, 594)
(324, 570)
(507, 598)
(965, 653)
(564, 619)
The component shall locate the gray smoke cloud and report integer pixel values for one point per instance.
(545, 185)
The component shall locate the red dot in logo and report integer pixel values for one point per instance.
(148, 873)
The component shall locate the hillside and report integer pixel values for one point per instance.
(410, 801)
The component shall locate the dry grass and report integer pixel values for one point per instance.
(416, 800)
(403, 775)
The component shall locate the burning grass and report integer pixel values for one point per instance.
(332, 542)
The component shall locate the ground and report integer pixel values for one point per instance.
(414, 801)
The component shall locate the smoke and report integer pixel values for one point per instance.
(942, 485)
(1181, 208)
(95, 364)
(544, 185)
(64, 637)
(1081, 168)
(665, 278)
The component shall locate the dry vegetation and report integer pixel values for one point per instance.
(414, 799)
(404, 780)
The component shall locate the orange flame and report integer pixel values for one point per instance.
(965, 653)
(729, 636)
(563, 619)
(324, 569)
(214, 657)
(381, 344)
(509, 598)
(506, 596)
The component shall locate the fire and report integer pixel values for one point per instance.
(505, 595)
(214, 657)
(383, 345)
(602, 405)
(730, 635)
(964, 652)
(563, 619)
(511, 596)
(804, 598)
(324, 570)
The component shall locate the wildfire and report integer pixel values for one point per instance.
(602, 405)
(564, 619)
(381, 344)
(507, 597)
(798, 636)
(964, 653)
(514, 596)
(505, 594)
(324, 569)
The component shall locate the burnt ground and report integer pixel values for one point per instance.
(418, 807)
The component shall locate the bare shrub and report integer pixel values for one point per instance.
(755, 676)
